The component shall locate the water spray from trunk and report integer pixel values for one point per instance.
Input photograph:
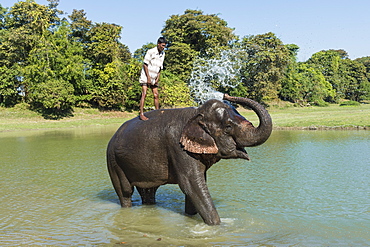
(223, 71)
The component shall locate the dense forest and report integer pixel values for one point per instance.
(52, 63)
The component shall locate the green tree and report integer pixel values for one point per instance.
(70, 65)
(174, 91)
(8, 86)
(190, 34)
(83, 63)
(104, 46)
(347, 77)
(80, 26)
(107, 56)
(109, 91)
(27, 23)
(366, 62)
(8, 71)
(328, 63)
(357, 84)
(2, 17)
(198, 30)
(56, 60)
(132, 86)
(290, 81)
(179, 60)
(305, 85)
(53, 98)
(266, 59)
(293, 51)
(28, 48)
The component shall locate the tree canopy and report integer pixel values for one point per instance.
(200, 31)
(193, 34)
(54, 63)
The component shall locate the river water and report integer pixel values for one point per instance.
(301, 188)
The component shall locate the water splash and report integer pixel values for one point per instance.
(220, 72)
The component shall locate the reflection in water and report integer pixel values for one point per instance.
(301, 188)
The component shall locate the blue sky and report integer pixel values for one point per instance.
(313, 25)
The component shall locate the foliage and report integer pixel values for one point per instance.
(348, 78)
(108, 90)
(198, 30)
(132, 85)
(54, 60)
(356, 85)
(2, 17)
(305, 85)
(80, 26)
(173, 91)
(179, 60)
(53, 63)
(8, 86)
(349, 103)
(117, 86)
(103, 46)
(53, 98)
(366, 62)
(191, 34)
(264, 66)
(365, 85)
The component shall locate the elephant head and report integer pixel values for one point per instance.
(220, 130)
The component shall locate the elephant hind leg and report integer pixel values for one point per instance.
(147, 195)
(120, 183)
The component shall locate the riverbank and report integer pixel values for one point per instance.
(18, 119)
(318, 118)
(300, 118)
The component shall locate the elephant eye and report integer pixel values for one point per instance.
(228, 128)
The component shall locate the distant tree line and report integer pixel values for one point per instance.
(54, 63)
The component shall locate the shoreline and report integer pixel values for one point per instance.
(321, 128)
(313, 128)
(118, 122)
(333, 117)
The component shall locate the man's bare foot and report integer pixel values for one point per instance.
(143, 117)
(227, 97)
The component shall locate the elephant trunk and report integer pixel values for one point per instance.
(251, 136)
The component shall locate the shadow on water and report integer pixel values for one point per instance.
(108, 195)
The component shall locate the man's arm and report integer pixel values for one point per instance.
(157, 79)
(145, 66)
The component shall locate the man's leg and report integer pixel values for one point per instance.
(156, 97)
(144, 89)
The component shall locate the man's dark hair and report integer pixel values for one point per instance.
(162, 40)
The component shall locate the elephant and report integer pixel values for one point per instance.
(178, 146)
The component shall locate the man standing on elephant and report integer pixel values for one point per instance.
(150, 73)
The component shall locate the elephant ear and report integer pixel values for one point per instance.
(196, 140)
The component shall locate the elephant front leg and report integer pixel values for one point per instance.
(199, 200)
(189, 206)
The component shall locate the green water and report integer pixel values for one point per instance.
(302, 188)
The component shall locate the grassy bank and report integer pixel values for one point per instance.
(331, 117)
(12, 119)
(334, 116)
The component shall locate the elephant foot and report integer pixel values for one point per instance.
(126, 203)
